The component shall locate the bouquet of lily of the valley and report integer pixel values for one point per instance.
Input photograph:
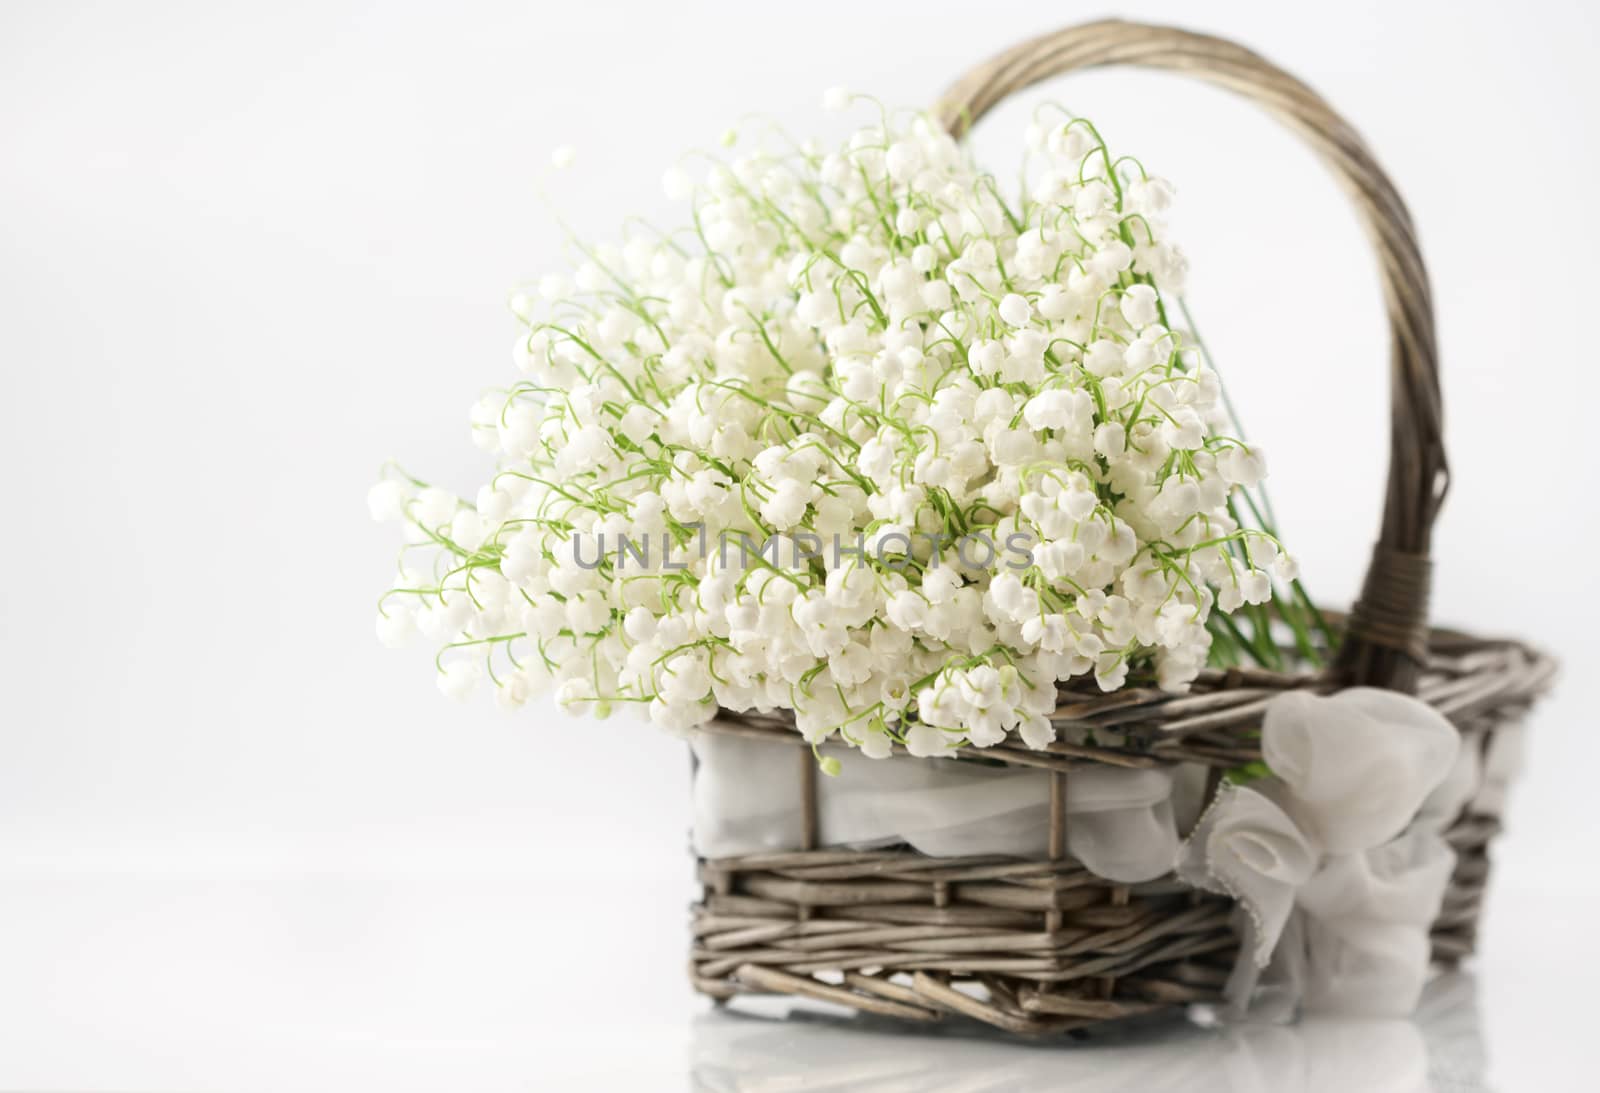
(868, 439)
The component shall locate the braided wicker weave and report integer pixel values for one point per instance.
(1045, 946)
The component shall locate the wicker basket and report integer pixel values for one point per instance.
(1044, 946)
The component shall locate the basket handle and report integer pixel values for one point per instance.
(1386, 634)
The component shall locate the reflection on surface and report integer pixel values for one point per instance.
(1440, 1049)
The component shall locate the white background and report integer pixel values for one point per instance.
(251, 251)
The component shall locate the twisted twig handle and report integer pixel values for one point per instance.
(1386, 634)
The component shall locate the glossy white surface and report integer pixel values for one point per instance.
(466, 979)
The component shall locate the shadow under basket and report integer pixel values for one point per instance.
(1043, 946)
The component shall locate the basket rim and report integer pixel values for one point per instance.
(1217, 720)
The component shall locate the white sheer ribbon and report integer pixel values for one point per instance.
(1120, 823)
(1336, 859)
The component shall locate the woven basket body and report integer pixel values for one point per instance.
(1041, 946)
